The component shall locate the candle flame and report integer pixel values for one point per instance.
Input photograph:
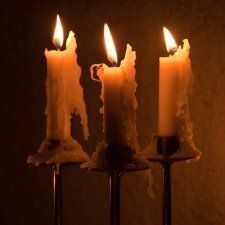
(58, 35)
(171, 45)
(109, 45)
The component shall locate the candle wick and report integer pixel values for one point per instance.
(173, 50)
(57, 46)
(114, 64)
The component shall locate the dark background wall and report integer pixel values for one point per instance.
(26, 30)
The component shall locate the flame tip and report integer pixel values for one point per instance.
(58, 34)
(109, 44)
(170, 42)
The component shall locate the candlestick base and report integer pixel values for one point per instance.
(60, 151)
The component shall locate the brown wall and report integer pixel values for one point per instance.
(26, 30)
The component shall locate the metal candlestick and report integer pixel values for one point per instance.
(119, 159)
(167, 147)
(57, 189)
(166, 219)
(115, 161)
(115, 198)
(48, 154)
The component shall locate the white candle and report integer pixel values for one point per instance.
(54, 87)
(118, 95)
(64, 97)
(64, 93)
(174, 77)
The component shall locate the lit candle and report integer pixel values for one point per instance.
(174, 79)
(64, 97)
(113, 79)
(64, 93)
(118, 95)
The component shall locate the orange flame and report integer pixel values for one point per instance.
(170, 42)
(58, 35)
(109, 45)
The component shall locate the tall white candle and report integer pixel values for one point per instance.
(174, 77)
(64, 93)
(54, 87)
(64, 97)
(118, 95)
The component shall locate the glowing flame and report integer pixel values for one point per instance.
(109, 44)
(171, 45)
(58, 35)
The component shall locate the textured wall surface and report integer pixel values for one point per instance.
(26, 30)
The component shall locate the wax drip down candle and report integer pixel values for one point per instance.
(118, 95)
(64, 97)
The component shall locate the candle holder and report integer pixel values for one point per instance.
(57, 194)
(116, 160)
(167, 152)
(58, 154)
(58, 189)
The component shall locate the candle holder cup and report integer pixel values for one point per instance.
(167, 153)
(167, 146)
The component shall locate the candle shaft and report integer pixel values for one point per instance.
(112, 105)
(168, 96)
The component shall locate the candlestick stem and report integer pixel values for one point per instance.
(166, 210)
(115, 197)
(57, 186)
(167, 153)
